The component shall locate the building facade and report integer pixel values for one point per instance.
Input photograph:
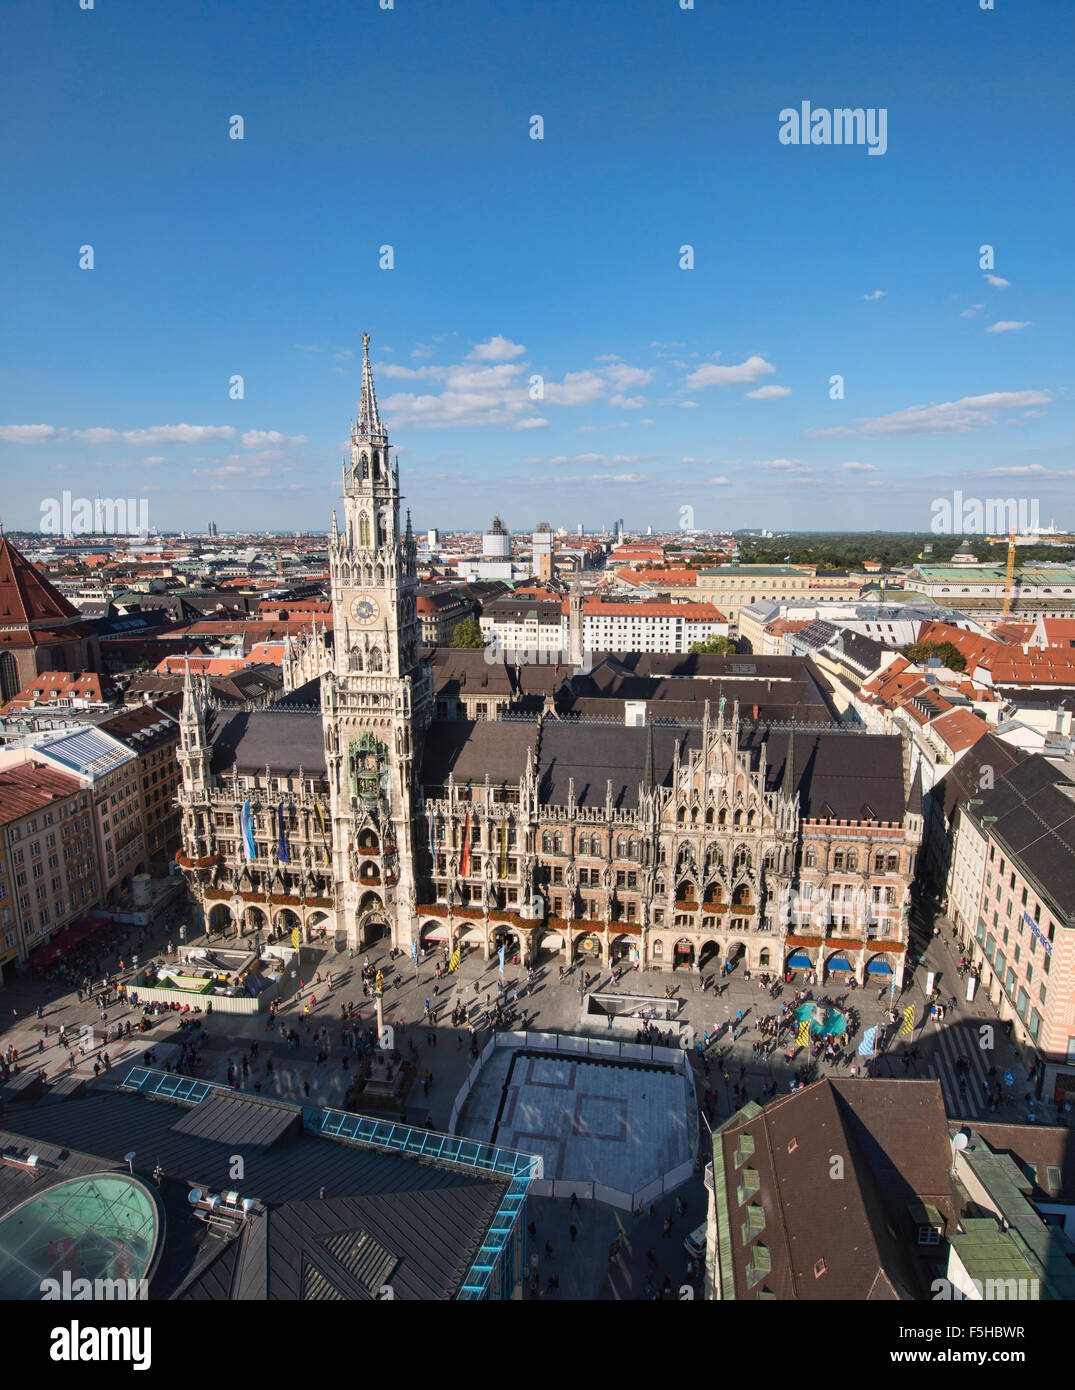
(50, 852)
(353, 805)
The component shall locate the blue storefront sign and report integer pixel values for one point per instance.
(1037, 931)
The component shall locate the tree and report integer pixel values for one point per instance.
(945, 652)
(468, 633)
(713, 646)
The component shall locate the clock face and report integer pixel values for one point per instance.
(364, 609)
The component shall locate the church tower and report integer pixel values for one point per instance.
(376, 701)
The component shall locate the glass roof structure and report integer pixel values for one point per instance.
(106, 1226)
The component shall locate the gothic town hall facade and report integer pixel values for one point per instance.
(351, 808)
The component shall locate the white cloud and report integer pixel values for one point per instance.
(30, 434)
(627, 402)
(497, 349)
(688, 405)
(853, 467)
(953, 417)
(1008, 326)
(831, 432)
(154, 460)
(744, 374)
(781, 465)
(721, 481)
(877, 294)
(254, 439)
(531, 422)
(769, 393)
(969, 313)
(157, 434)
(344, 355)
(998, 282)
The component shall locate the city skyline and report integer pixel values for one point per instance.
(707, 388)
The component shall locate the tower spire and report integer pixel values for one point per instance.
(369, 420)
(789, 762)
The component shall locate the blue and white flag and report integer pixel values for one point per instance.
(281, 839)
(500, 953)
(246, 827)
(414, 952)
(866, 1046)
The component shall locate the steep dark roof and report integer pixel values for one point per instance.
(1034, 806)
(250, 742)
(893, 1138)
(468, 749)
(848, 776)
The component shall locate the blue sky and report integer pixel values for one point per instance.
(664, 387)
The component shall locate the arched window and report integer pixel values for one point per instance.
(709, 816)
(893, 863)
(356, 658)
(382, 530)
(546, 843)
(363, 529)
(722, 819)
(621, 847)
(376, 663)
(376, 464)
(634, 849)
(737, 819)
(852, 861)
(681, 815)
(809, 859)
(365, 465)
(557, 843)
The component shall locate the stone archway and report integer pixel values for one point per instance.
(219, 918)
(683, 954)
(285, 921)
(709, 954)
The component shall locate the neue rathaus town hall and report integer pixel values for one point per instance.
(670, 811)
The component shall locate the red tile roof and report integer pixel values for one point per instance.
(31, 786)
(26, 598)
(960, 729)
(51, 686)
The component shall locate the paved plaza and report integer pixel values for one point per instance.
(549, 1005)
(618, 1124)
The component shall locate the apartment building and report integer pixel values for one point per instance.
(110, 771)
(152, 735)
(48, 858)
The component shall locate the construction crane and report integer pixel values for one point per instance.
(1009, 574)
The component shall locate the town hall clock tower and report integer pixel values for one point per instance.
(376, 701)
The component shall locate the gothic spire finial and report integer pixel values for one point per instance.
(369, 421)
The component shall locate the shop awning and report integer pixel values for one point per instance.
(435, 934)
(800, 961)
(66, 940)
(879, 967)
(839, 963)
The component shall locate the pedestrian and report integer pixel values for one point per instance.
(573, 1232)
(575, 1204)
